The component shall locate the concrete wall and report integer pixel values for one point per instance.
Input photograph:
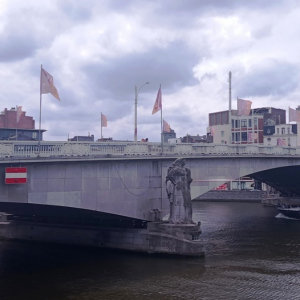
(215, 195)
(131, 187)
(127, 188)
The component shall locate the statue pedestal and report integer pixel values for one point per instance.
(182, 239)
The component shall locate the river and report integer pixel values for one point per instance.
(251, 253)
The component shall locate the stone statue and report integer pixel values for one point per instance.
(178, 182)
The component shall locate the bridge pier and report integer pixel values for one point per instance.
(158, 237)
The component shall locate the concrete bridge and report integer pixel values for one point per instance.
(128, 179)
(120, 187)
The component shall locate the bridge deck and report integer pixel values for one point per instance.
(12, 150)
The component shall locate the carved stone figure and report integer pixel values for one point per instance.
(178, 182)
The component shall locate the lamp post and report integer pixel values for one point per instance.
(135, 114)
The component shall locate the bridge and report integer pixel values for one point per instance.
(122, 184)
(127, 179)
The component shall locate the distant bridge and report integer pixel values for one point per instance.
(126, 180)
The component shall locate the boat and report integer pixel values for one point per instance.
(289, 211)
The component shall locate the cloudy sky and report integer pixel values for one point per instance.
(98, 50)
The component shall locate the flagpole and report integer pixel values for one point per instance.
(39, 142)
(16, 122)
(101, 127)
(229, 117)
(161, 123)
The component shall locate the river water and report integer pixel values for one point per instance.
(251, 253)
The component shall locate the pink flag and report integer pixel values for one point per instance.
(158, 102)
(19, 113)
(166, 127)
(47, 85)
(244, 107)
(103, 120)
(294, 115)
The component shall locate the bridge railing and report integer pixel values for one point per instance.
(22, 149)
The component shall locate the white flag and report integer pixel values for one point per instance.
(166, 126)
(294, 115)
(19, 113)
(243, 107)
(47, 85)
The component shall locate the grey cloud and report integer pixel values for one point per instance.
(171, 66)
(263, 32)
(16, 46)
(76, 10)
(271, 77)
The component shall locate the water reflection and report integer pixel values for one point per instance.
(250, 254)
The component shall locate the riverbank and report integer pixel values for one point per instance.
(231, 196)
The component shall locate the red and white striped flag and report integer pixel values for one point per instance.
(103, 120)
(166, 126)
(244, 107)
(158, 103)
(47, 84)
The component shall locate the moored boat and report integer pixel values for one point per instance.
(289, 211)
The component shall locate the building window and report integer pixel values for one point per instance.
(237, 137)
(244, 136)
(250, 123)
(243, 123)
(288, 130)
(232, 123)
(237, 123)
(277, 130)
(222, 133)
(255, 121)
(283, 130)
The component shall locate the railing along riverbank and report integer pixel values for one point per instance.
(23, 149)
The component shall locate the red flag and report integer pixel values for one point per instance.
(19, 113)
(244, 107)
(103, 120)
(47, 85)
(158, 102)
(166, 127)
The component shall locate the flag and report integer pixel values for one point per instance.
(47, 85)
(244, 107)
(166, 127)
(212, 130)
(158, 102)
(103, 120)
(19, 113)
(294, 115)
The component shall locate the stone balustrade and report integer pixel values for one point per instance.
(25, 149)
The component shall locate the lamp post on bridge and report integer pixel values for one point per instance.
(135, 113)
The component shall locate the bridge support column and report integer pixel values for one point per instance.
(158, 237)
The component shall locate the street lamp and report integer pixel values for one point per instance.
(135, 115)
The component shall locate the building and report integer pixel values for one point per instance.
(246, 129)
(167, 135)
(21, 129)
(281, 135)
